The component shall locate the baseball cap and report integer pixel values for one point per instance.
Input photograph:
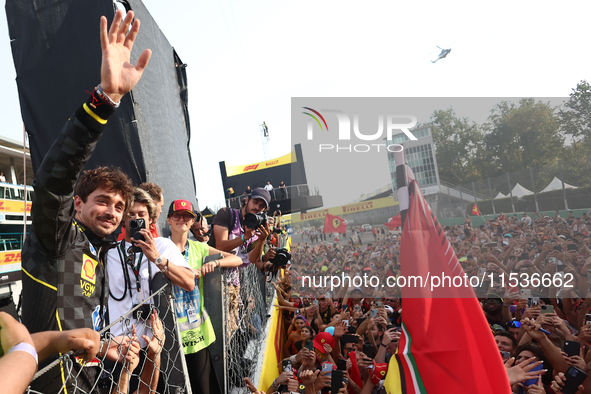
(261, 193)
(321, 339)
(181, 205)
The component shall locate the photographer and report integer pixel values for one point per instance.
(131, 270)
(230, 234)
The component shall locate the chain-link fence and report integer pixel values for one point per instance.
(244, 328)
(158, 365)
(239, 319)
(531, 189)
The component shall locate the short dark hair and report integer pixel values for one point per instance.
(153, 190)
(507, 334)
(110, 179)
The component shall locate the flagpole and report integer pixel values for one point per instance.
(402, 183)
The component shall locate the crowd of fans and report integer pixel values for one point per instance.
(535, 295)
(362, 325)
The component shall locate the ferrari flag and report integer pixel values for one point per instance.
(435, 357)
(395, 222)
(334, 224)
(475, 210)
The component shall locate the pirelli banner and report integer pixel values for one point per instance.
(288, 169)
(343, 210)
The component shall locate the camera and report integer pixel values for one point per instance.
(282, 256)
(253, 221)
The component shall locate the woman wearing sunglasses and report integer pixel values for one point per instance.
(194, 323)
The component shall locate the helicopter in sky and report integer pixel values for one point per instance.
(444, 53)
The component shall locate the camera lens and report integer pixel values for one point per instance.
(252, 221)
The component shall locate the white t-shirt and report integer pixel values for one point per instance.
(268, 187)
(117, 285)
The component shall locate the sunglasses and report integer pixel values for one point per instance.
(185, 216)
(515, 324)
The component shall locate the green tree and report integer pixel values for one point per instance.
(518, 136)
(456, 143)
(575, 114)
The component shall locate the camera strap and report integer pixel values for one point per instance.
(131, 260)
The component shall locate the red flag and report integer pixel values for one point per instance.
(395, 222)
(334, 224)
(446, 344)
(475, 210)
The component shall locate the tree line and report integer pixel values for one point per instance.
(515, 137)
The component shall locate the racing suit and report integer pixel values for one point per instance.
(64, 282)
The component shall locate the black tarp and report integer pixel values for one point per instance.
(57, 56)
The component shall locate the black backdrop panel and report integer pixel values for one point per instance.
(57, 56)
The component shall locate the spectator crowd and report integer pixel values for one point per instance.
(77, 280)
(360, 326)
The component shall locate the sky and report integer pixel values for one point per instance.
(246, 60)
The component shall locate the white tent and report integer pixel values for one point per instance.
(557, 185)
(500, 195)
(520, 191)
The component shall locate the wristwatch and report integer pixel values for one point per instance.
(158, 262)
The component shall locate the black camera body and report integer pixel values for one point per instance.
(253, 221)
(282, 256)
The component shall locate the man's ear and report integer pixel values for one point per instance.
(78, 204)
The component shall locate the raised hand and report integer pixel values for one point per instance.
(522, 371)
(118, 75)
(558, 384)
(308, 376)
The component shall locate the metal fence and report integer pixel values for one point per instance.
(169, 377)
(237, 353)
(244, 336)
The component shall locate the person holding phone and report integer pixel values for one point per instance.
(131, 273)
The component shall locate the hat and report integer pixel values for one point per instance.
(389, 308)
(294, 295)
(562, 236)
(358, 289)
(262, 194)
(181, 205)
(321, 339)
(329, 330)
(379, 372)
(508, 235)
(498, 250)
